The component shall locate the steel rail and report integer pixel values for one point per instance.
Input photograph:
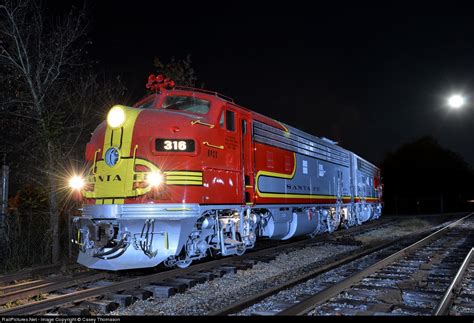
(49, 286)
(12, 288)
(53, 302)
(309, 304)
(447, 299)
(334, 262)
(28, 273)
(331, 263)
(37, 282)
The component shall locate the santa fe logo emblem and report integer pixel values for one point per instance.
(111, 156)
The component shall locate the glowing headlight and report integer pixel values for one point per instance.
(155, 179)
(116, 117)
(76, 182)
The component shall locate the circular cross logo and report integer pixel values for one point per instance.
(111, 156)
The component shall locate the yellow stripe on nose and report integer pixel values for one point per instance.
(118, 179)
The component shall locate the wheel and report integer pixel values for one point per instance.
(363, 215)
(240, 249)
(183, 263)
(334, 220)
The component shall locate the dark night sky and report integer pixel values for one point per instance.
(371, 80)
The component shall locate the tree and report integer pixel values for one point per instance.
(422, 174)
(180, 71)
(50, 99)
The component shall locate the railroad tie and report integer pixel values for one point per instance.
(101, 307)
(179, 286)
(198, 278)
(189, 282)
(140, 294)
(124, 300)
(228, 269)
(161, 291)
(209, 275)
(74, 311)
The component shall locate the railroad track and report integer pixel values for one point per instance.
(409, 281)
(35, 272)
(103, 292)
(459, 297)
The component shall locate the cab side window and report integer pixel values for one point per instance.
(230, 120)
(221, 120)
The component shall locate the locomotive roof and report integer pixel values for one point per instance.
(259, 117)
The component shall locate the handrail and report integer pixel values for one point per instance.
(213, 146)
(95, 160)
(219, 95)
(203, 123)
(134, 156)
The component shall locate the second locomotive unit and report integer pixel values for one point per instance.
(185, 173)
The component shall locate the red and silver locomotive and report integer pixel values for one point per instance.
(185, 173)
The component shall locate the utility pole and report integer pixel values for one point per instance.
(3, 207)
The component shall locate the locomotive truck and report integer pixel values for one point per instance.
(186, 173)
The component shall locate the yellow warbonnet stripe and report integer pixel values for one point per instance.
(131, 115)
(183, 183)
(368, 198)
(121, 176)
(183, 178)
(168, 173)
(191, 178)
(281, 124)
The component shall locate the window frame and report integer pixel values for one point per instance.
(187, 111)
(227, 113)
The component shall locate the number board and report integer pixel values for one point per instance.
(180, 145)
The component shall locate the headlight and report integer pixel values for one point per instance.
(155, 179)
(116, 117)
(76, 182)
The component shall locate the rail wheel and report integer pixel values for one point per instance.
(183, 263)
(241, 248)
(333, 220)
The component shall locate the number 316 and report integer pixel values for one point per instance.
(175, 145)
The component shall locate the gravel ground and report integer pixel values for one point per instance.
(310, 287)
(400, 229)
(220, 292)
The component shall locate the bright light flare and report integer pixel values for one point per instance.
(155, 179)
(116, 117)
(76, 182)
(456, 101)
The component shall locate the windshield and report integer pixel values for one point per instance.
(148, 103)
(186, 103)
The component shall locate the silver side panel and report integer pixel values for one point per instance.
(300, 142)
(142, 211)
(317, 177)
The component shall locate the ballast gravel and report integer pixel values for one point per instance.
(210, 296)
(218, 293)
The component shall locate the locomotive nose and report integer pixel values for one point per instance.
(112, 177)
